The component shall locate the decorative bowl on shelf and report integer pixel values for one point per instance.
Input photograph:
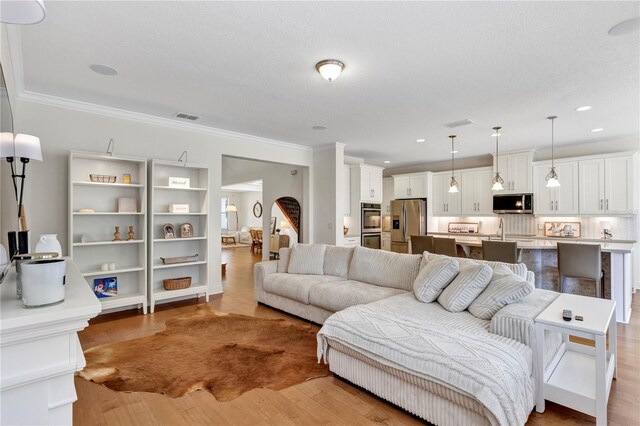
(102, 178)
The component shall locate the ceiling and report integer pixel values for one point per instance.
(411, 67)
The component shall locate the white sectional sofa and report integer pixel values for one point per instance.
(445, 367)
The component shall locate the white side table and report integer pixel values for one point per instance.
(578, 376)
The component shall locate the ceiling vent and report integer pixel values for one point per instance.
(459, 123)
(186, 116)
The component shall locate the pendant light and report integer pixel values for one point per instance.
(552, 176)
(453, 185)
(497, 179)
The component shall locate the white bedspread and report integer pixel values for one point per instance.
(480, 365)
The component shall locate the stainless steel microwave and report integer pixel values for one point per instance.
(513, 203)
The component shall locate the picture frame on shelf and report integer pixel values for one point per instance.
(178, 208)
(168, 231)
(179, 182)
(127, 205)
(186, 230)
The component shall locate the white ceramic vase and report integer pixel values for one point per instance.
(49, 243)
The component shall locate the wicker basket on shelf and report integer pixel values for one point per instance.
(102, 178)
(176, 283)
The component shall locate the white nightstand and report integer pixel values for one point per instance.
(578, 376)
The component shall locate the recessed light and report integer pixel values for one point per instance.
(583, 108)
(319, 127)
(420, 140)
(625, 27)
(103, 69)
(495, 135)
(455, 151)
(386, 161)
(597, 130)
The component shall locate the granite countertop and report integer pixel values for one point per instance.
(542, 243)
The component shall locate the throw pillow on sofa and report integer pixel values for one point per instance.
(519, 269)
(472, 279)
(505, 288)
(337, 261)
(434, 277)
(307, 259)
(283, 259)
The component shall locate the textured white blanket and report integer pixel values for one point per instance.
(478, 365)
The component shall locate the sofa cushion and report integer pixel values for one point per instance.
(433, 278)
(284, 254)
(472, 279)
(294, 286)
(307, 259)
(338, 295)
(384, 268)
(337, 261)
(520, 269)
(504, 288)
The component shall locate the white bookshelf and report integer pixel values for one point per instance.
(161, 196)
(130, 257)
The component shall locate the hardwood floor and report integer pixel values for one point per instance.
(320, 401)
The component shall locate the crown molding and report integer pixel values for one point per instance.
(15, 57)
(328, 146)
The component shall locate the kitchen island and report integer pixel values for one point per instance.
(540, 256)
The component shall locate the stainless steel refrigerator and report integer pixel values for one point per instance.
(408, 217)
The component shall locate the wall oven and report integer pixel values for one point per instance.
(371, 218)
(372, 241)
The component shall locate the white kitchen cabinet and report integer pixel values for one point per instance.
(346, 190)
(413, 185)
(444, 203)
(606, 185)
(386, 241)
(370, 183)
(387, 195)
(561, 200)
(515, 169)
(476, 197)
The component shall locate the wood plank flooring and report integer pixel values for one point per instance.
(325, 401)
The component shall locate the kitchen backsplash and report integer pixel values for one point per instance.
(622, 228)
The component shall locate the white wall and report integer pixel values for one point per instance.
(248, 199)
(328, 164)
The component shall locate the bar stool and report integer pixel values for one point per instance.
(421, 243)
(500, 251)
(445, 246)
(581, 261)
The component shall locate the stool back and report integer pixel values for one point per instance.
(500, 251)
(446, 246)
(580, 261)
(421, 243)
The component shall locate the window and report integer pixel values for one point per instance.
(224, 222)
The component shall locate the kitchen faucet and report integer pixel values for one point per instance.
(501, 227)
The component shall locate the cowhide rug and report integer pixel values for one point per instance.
(225, 354)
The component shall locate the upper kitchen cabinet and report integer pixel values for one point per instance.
(370, 180)
(476, 197)
(606, 185)
(412, 185)
(515, 169)
(443, 202)
(561, 200)
(387, 195)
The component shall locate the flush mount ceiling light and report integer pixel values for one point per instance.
(497, 179)
(552, 176)
(625, 27)
(319, 127)
(386, 162)
(583, 108)
(453, 185)
(420, 140)
(103, 69)
(330, 69)
(22, 12)
(597, 130)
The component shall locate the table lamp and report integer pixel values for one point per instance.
(284, 224)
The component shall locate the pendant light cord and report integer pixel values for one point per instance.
(452, 137)
(552, 154)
